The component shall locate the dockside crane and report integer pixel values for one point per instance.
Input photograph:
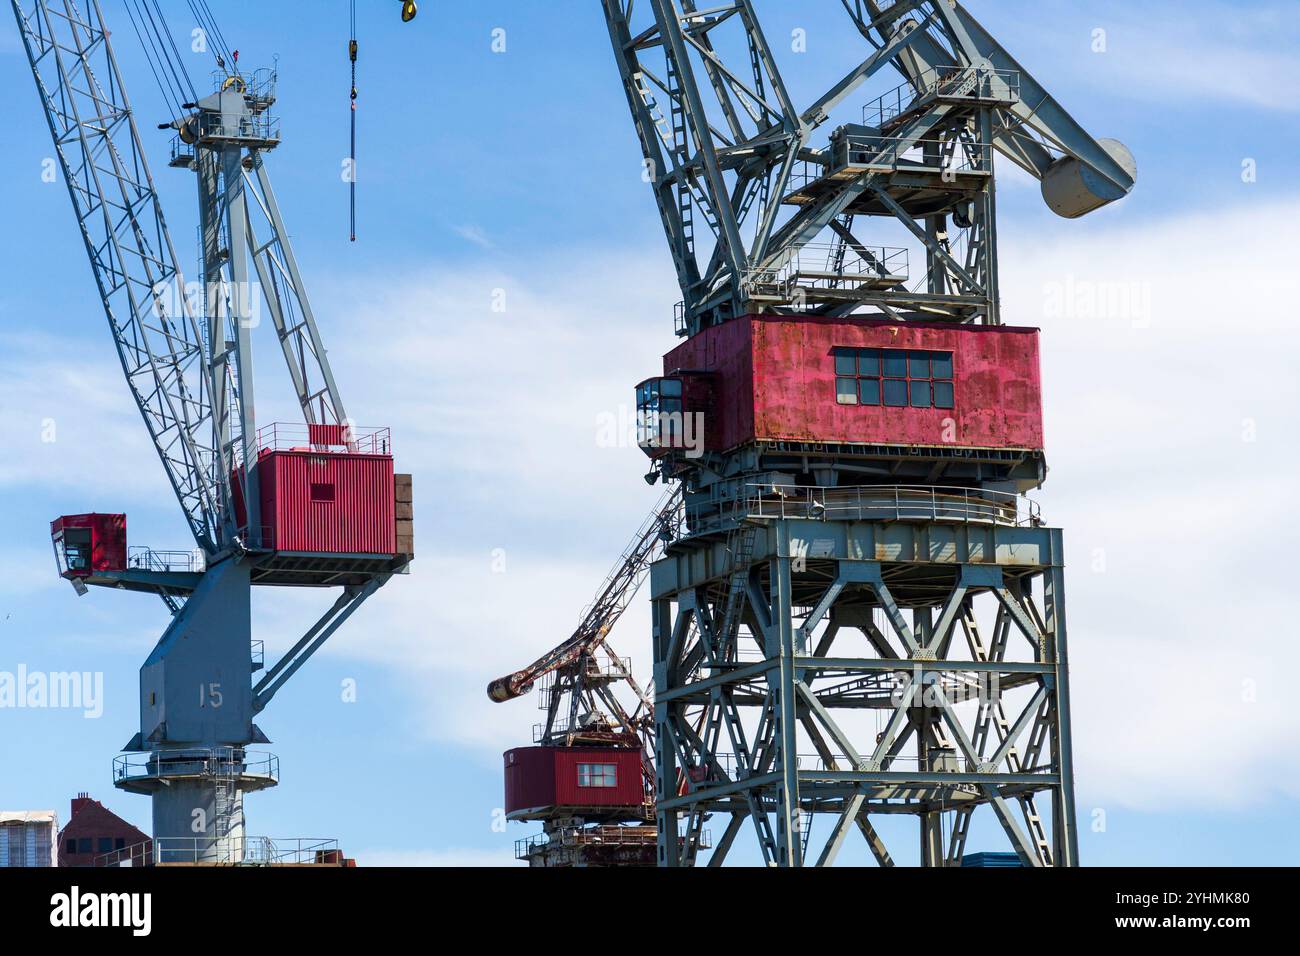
(588, 724)
(869, 439)
(308, 505)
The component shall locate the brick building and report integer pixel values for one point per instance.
(92, 831)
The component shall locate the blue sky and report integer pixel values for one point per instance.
(484, 174)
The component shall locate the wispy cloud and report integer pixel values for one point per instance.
(1168, 434)
(68, 420)
(1169, 52)
(475, 234)
(1145, 439)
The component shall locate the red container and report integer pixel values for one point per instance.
(87, 544)
(540, 780)
(330, 503)
(773, 378)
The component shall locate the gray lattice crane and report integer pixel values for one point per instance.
(868, 436)
(312, 505)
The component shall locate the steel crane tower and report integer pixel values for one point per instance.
(312, 505)
(865, 616)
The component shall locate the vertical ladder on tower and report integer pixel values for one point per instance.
(839, 249)
(682, 146)
(225, 801)
(741, 546)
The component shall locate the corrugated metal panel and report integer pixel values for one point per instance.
(530, 778)
(332, 504)
(775, 381)
(327, 434)
(546, 777)
(727, 351)
(627, 791)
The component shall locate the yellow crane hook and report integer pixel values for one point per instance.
(409, 10)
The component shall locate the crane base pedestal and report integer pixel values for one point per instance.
(197, 798)
(844, 672)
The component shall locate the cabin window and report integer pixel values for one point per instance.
(322, 491)
(77, 545)
(659, 405)
(597, 775)
(895, 378)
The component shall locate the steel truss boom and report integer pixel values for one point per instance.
(725, 145)
(620, 587)
(154, 328)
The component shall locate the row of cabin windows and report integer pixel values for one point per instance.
(597, 775)
(894, 377)
(88, 845)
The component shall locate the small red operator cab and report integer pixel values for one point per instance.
(85, 545)
(591, 780)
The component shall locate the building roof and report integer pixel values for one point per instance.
(90, 817)
(29, 816)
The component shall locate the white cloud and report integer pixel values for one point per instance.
(67, 421)
(1144, 431)
(1179, 644)
(475, 234)
(1173, 52)
(495, 412)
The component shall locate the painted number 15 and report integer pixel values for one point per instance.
(210, 695)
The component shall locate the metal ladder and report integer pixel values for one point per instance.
(225, 800)
(681, 145)
(741, 546)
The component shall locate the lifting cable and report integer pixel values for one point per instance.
(352, 168)
(409, 11)
(161, 54)
(216, 40)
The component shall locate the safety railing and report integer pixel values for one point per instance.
(614, 836)
(871, 503)
(140, 558)
(872, 153)
(227, 851)
(929, 152)
(825, 266)
(974, 83)
(257, 655)
(564, 725)
(945, 761)
(325, 439)
(597, 670)
(221, 761)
